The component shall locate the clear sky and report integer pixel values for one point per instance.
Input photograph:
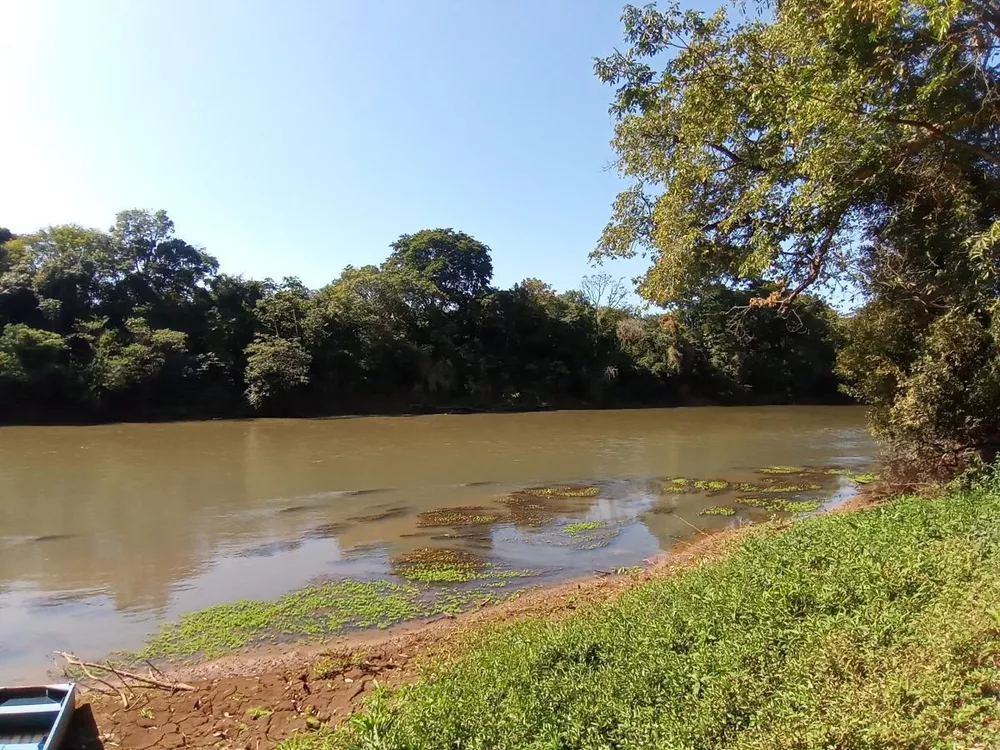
(294, 137)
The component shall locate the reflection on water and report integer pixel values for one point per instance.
(108, 531)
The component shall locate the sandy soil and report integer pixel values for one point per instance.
(283, 681)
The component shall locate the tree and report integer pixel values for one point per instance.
(276, 367)
(603, 291)
(816, 144)
(459, 265)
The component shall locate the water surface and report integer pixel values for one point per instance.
(106, 532)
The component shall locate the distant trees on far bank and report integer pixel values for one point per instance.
(136, 323)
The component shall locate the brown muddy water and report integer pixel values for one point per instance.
(107, 532)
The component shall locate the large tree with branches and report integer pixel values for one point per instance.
(816, 142)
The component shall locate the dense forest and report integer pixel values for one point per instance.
(136, 323)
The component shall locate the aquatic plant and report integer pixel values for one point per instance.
(316, 611)
(469, 515)
(863, 478)
(718, 510)
(802, 506)
(787, 488)
(582, 526)
(782, 470)
(575, 490)
(765, 503)
(711, 485)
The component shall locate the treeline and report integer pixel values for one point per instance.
(136, 323)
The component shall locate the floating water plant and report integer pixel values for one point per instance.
(802, 506)
(783, 470)
(711, 485)
(581, 527)
(718, 510)
(765, 503)
(787, 488)
(469, 515)
(863, 478)
(574, 490)
(443, 565)
(317, 611)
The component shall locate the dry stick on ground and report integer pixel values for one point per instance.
(124, 676)
(90, 675)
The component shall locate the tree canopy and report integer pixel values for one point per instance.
(136, 323)
(813, 144)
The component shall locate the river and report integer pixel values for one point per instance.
(107, 532)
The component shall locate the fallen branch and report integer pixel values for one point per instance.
(124, 675)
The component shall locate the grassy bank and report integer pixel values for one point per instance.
(876, 629)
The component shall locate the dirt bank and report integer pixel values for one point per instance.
(258, 698)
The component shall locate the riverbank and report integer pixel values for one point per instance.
(263, 697)
(854, 629)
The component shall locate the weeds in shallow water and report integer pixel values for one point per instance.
(444, 565)
(580, 527)
(781, 504)
(783, 470)
(874, 629)
(573, 490)
(461, 516)
(779, 489)
(718, 510)
(711, 485)
(802, 506)
(313, 612)
(864, 478)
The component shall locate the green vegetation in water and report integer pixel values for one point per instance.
(781, 504)
(679, 482)
(865, 630)
(581, 527)
(779, 470)
(779, 489)
(575, 490)
(863, 478)
(802, 506)
(313, 612)
(711, 485)
(718, 510)
(461, 516)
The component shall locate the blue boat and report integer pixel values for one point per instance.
(35, 718)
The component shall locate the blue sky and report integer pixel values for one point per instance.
(294, 138)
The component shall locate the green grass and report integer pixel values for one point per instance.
(858, 631)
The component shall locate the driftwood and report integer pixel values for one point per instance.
(128, 679)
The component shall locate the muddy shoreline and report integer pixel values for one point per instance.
(259, 697)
